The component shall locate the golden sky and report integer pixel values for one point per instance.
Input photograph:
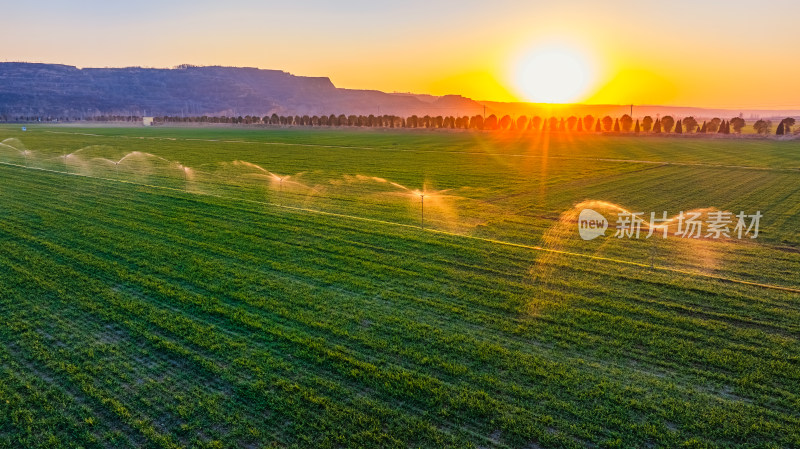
(708, 54)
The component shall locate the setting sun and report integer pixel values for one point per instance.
(554, 73)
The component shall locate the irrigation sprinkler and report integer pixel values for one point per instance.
(65, 163)
(25, 153)
(422, 211)
(185, 178)
(280, 189)
(653, 254)
(116, 170)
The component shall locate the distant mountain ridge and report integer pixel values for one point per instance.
(55, 90)
(67, 91)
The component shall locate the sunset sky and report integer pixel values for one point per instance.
(732, 54)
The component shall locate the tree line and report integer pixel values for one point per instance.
(588, 123)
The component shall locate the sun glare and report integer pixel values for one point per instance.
(554, 73)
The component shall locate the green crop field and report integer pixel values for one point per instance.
(227, 287)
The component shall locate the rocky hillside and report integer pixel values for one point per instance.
(66, 91)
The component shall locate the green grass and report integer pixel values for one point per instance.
(202, 314)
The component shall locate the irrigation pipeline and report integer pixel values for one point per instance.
(435, 231)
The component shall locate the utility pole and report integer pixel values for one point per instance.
(653, 254)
